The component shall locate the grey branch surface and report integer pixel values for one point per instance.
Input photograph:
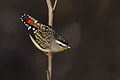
(50, 22)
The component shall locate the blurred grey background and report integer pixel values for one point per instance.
(92, 28)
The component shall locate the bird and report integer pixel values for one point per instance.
(43, 36)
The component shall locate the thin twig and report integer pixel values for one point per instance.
(48, 78)
(50, 64)
(49, 71)
(54, 5)
(50, 12)
(50, 22)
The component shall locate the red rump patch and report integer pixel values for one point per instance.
(28, 19)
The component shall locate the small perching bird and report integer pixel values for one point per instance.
(44, 37)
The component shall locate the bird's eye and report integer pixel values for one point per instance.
(60, 44)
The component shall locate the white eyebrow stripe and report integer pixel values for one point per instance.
(60, 43)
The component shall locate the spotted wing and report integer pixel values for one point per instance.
(44, 36)
(41, 33)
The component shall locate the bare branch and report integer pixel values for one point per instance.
(54, 5)
(48, 78)
(50, 12)
(50, 22)
(49, 71)
(50, 64)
